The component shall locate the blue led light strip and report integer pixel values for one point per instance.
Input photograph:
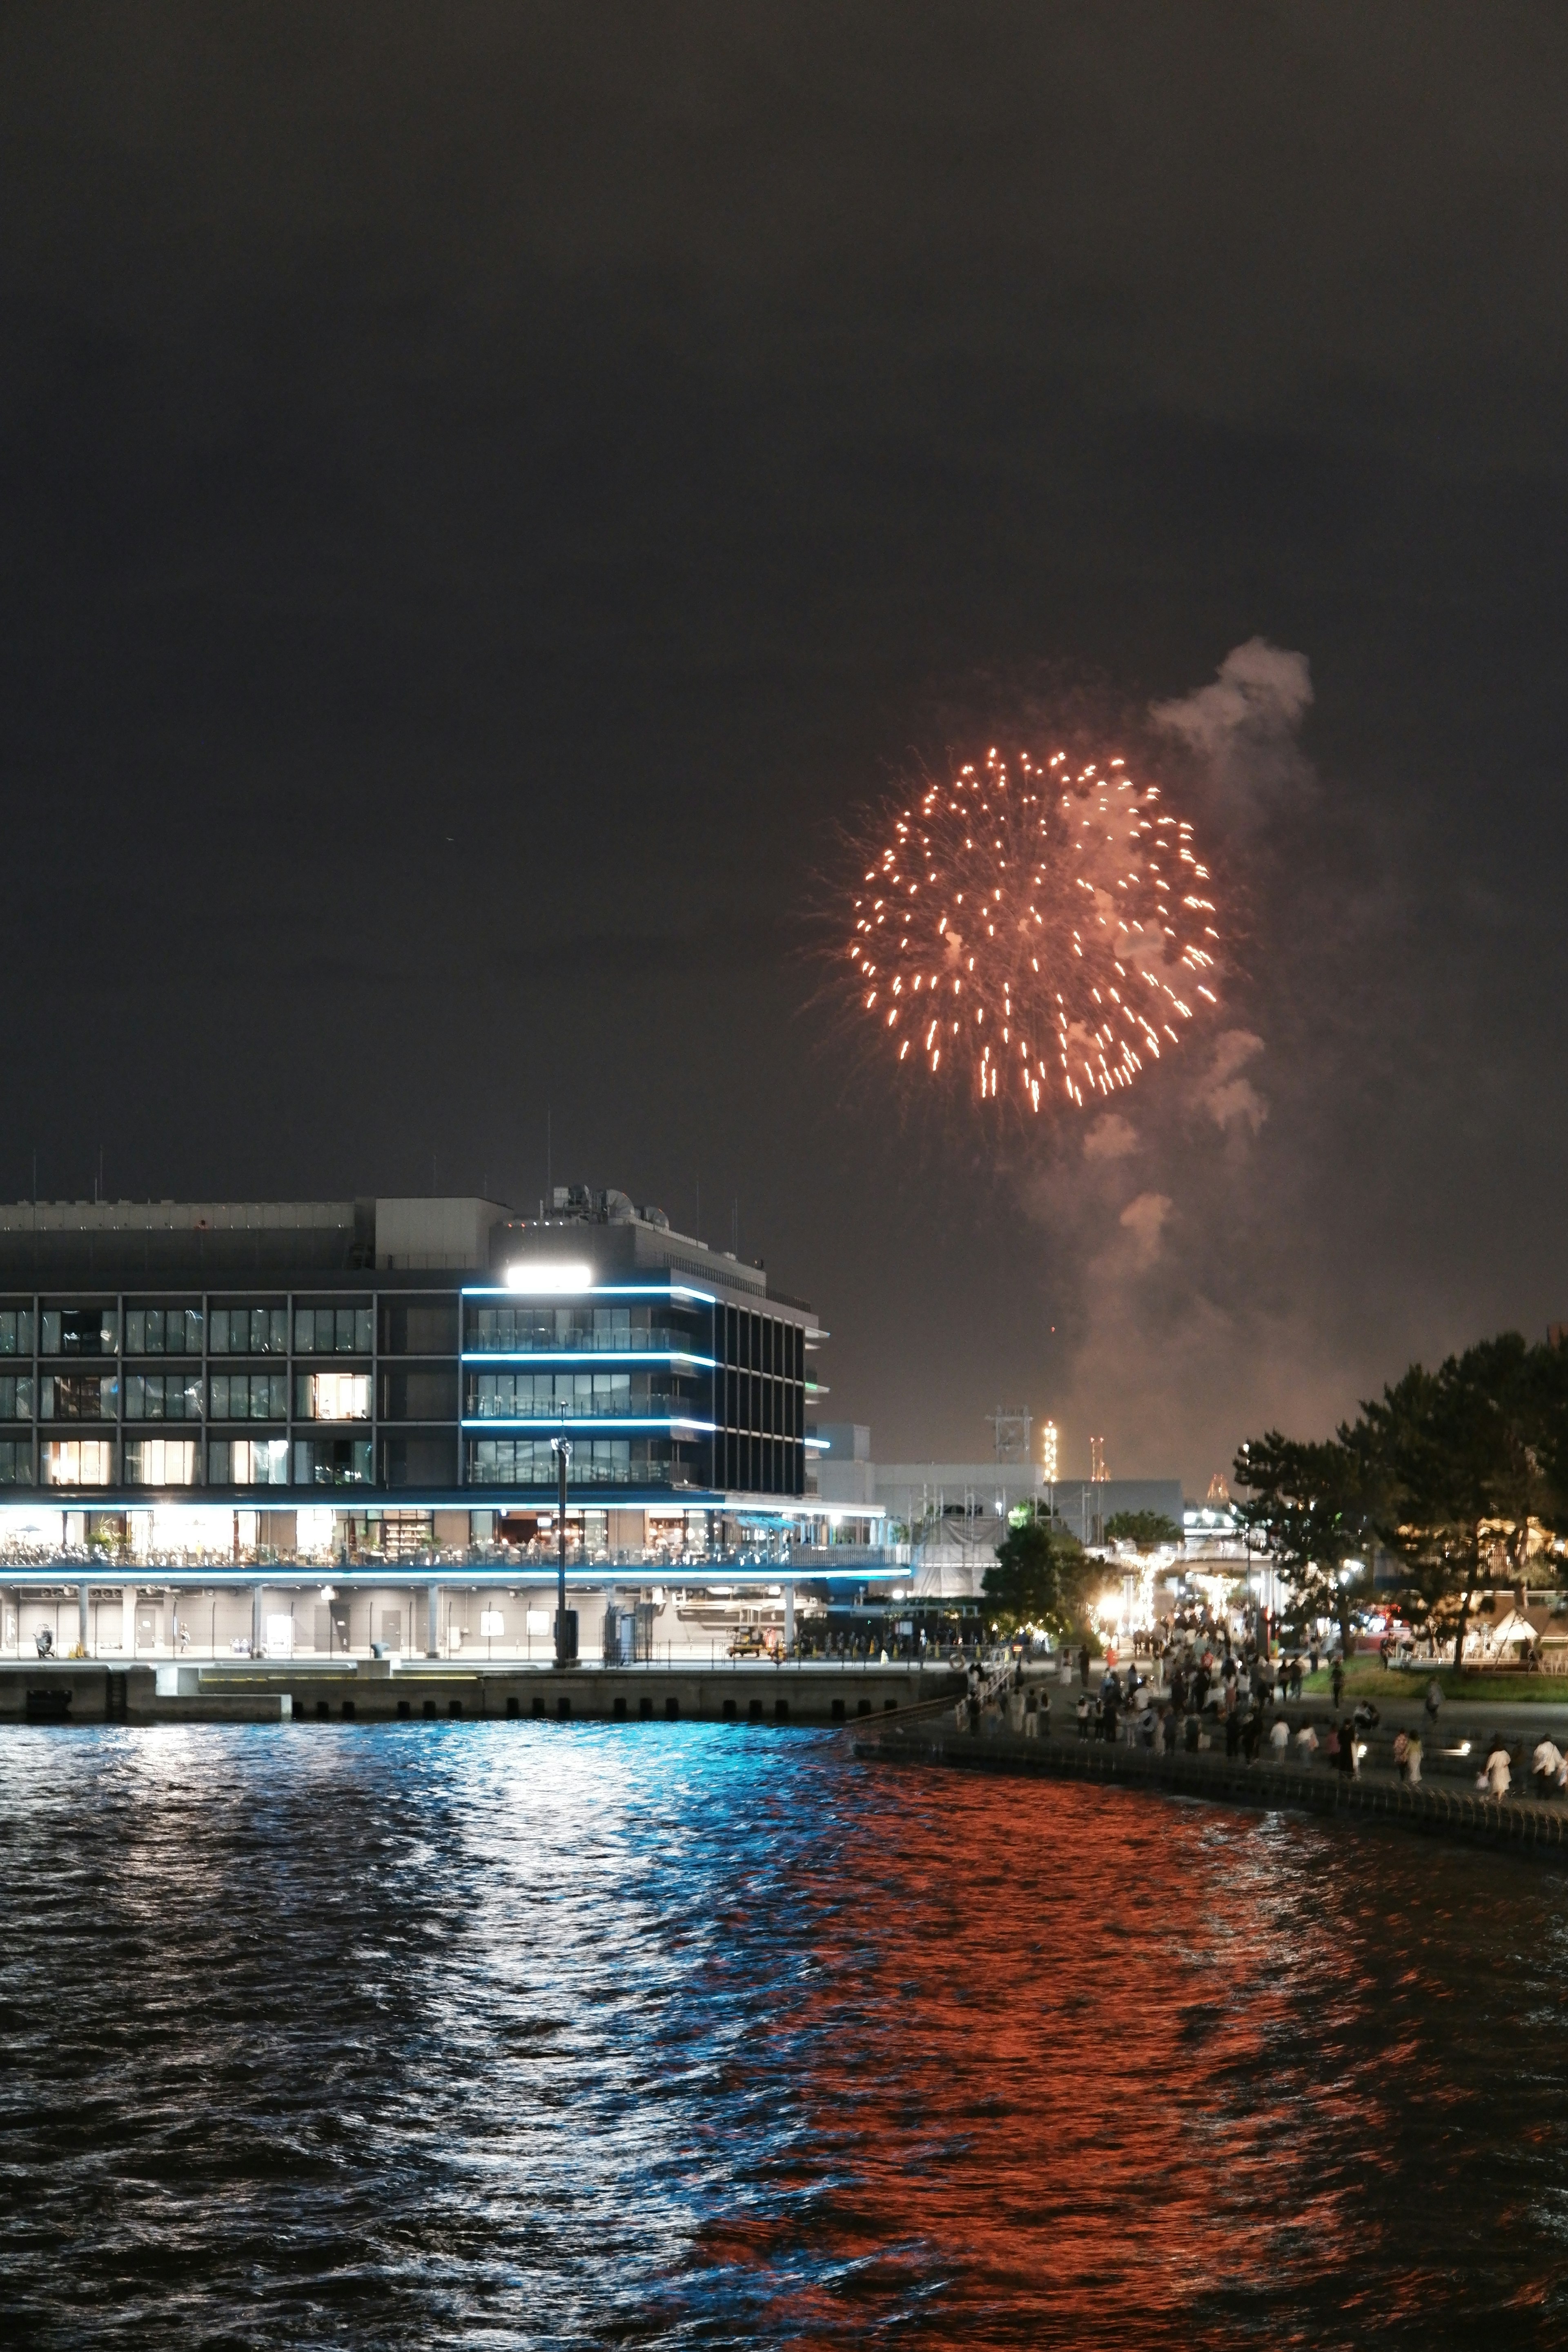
(556, 1426)
(584, 1358)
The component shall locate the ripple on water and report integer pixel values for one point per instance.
(693, 2035)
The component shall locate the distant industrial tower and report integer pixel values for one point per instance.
(1048, 1453)
(1097, 1470)
(1010, 1428)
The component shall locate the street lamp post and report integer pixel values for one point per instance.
(565, 1620)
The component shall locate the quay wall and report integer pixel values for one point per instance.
(814, 1693)
(1518, 1823)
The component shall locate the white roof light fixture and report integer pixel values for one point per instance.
(563, 1275)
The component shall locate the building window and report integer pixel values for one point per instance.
(333, 1330)
(160, 1462)
(248, 1462)
(248, 1396)
(595, 1462)
(16, 1396)
(78, 1462)
(16, 1462)
(16, 1330)
(557, 1396)
(529, 1330)
(163, 1330)
(79, 1396)
(248, 1331)
(332, 1462)
(332, 1396)
(85, 1331)
(162, 1396)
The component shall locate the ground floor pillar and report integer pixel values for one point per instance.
(83, 1605)
(789, 1616)
(127, 1620)
(258, 1618)
(433, 1622)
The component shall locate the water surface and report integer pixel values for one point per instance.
(539, 2034)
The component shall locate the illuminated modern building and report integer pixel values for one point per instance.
(411, 1357)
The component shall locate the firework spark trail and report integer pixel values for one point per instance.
(1043, 932)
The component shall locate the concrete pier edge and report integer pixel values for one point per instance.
(807, 1693)
(1515, 1825)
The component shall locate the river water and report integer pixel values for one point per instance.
(521, 2034)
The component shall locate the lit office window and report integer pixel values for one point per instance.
(248, 1396)
(16, 1330)
(333, 1330)
(332, 1396)
(16, 1462)
(16, 1396)
(248, 1331)
(248, 1462)
(161, 1462)
(77, 1462)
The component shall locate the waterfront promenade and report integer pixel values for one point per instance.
(1445, 1804)
(820, 1692)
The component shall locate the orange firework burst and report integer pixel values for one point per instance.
(1036, 932)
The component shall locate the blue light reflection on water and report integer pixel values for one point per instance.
(512, 2034)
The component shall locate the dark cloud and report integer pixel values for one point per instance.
(482, 492)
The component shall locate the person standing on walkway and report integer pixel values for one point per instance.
(1345, 1760)
(1402, 1754)
(1546, 1767)
(1279, 1738)
(1306, 1746)
(1083, 1666)
(1496, 1774)
(1232, 1728)
(1432, 1701)
(1336, 1682)
(1413, 1759)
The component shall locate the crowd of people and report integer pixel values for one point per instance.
(1194, 1687)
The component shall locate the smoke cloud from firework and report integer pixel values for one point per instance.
(1033, 934)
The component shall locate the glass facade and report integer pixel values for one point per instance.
(77, 1462)
(163, 1396)
(249, 1331)
(160, 1461)
(332, 1461)
(595, 1462)
(332, 1396)
(248, 1462)
(428, 1393)
(162, 1332)
(248, 1396)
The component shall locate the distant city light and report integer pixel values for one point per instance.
(1097, 1470)
(567, 1275)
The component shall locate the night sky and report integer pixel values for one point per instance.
(488, 491)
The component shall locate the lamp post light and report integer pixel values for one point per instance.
(565, 1618)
